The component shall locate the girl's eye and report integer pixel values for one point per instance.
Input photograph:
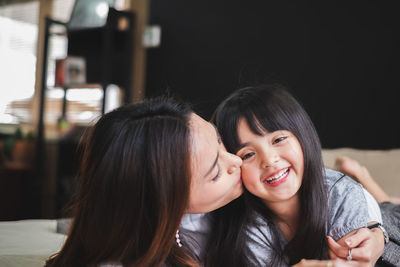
(248, 155)
(217, 176)
(280, 139)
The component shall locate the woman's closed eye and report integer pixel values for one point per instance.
(217, 176)
(247, 155)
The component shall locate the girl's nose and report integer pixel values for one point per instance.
(270, 158)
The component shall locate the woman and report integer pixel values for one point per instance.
(143, 166)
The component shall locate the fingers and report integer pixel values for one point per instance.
(314, 263)
(360, 254)
(358, 243)
(325, 263)
(345, 263)
(336, 250)
(332, 255)
(358, 238)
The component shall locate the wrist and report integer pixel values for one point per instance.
(378, 228)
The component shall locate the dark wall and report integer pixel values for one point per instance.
(107, 50)
(341, 59)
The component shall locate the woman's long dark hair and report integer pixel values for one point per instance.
(133, 188)
(271, 108)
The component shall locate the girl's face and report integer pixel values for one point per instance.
(273, 164)
(216, 179)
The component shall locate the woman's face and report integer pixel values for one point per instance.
(216, 178)
(273, 163)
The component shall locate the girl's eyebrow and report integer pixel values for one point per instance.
(242, 145)
(249, 143)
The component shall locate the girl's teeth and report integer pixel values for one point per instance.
(278, 176)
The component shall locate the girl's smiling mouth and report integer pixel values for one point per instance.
(278, 178)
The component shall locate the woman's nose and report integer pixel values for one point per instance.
(236, 162)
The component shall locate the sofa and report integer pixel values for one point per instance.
(28, 242)
(383, 165)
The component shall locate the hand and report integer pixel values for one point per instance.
(325, 263)
(366, 246)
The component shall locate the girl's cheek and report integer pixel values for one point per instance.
(246, 173)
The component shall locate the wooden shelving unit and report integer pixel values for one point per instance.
(108, 52)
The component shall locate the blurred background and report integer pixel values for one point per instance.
(63, 63)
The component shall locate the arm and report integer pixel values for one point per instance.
(366, 246)
(328, 263)
(350, 214)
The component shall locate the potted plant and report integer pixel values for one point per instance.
(19, 148)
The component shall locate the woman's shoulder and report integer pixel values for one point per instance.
(193, 232)
(196, 222)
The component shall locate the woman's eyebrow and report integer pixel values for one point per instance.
(216, 158)
(217, 132)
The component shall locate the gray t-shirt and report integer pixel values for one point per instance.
(350, 208)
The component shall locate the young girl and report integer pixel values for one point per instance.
(294, 202)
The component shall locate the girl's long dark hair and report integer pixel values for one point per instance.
(133, 188)
(271, 108)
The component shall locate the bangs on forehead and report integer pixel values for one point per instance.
(264, 120)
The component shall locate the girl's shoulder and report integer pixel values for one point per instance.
(343, 190)
(337, 181)
(348, 208)
(261, 240)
